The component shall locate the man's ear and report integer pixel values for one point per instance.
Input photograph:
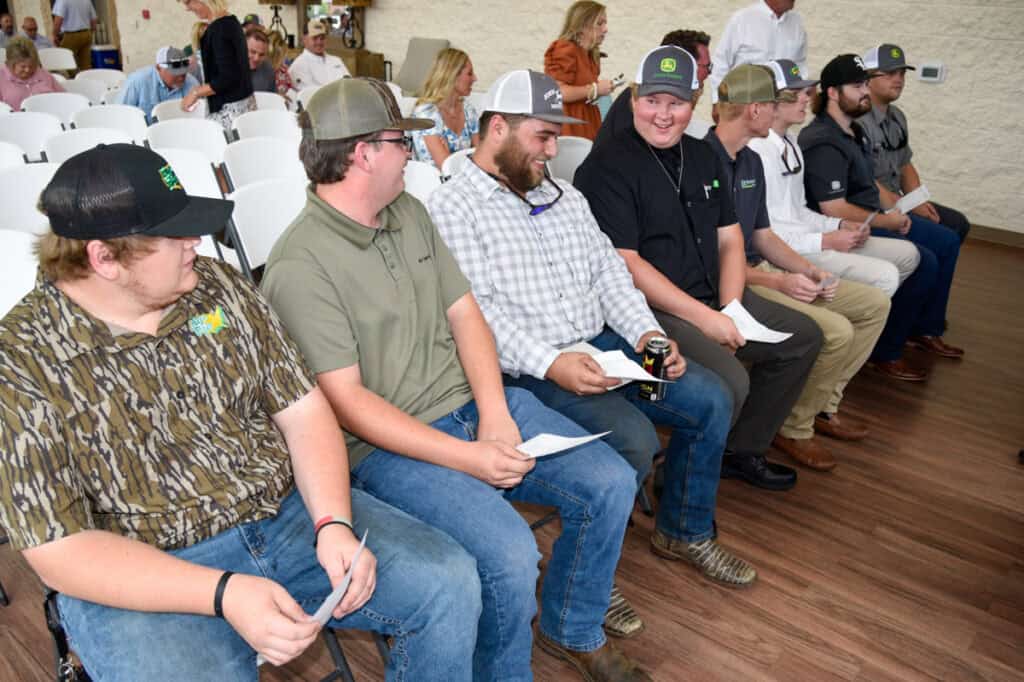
(102, 261)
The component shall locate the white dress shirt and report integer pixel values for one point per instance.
(797, 225)
(311, 71)
(755, 34)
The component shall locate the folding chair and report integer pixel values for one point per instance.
(111, 96)
(20, 188)
(203, 136)
(304, 96)
(29, 130)
(11, 155)
(5, 108)
(57, 59)
(406, 105)
(419, 57)
(421, 179)
(126, 118)
(171, 109)
(572, 151)
(454, 163)
(111, 78)
(63, 146)
(478, 100)
(270, 101)
(60, 104)
(92, 89)
(261, 158)
(268, 123)
(262, 212)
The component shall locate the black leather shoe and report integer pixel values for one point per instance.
(758, 471)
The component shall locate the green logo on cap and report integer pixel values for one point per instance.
(895, 53)
(795, 71)
(170, 179)
(668, 64)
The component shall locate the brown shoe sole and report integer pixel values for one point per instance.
(672, 556)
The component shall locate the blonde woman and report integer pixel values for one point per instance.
(227, 84)
(456, 122)
(574, 61)
(22, 76)
(277, 54)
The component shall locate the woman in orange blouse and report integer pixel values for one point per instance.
(574, 60)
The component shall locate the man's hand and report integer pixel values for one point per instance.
(720, 328)
(267, 617)
(501, 428)
(927, 210)
(335, 547)
(580, 374)
(894, 222)
(828, 293)
(800, 287)
(498, 464)
(844, 239)
(675, 363)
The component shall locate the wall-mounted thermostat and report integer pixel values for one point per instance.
(931, 72)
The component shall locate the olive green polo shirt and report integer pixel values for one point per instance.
(377, 297)
(167, 439)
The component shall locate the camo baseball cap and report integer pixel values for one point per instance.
(748, 83)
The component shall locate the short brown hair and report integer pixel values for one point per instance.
(19, 49)
(256, 31)
(513, 121)
(730, 111)
(326, 161)
(687, 39)
(63, 259)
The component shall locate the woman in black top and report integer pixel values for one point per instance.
(228, 86)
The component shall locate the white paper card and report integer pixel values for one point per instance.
(616, 364)
(751, 329)
(908, 202)
(548, 443)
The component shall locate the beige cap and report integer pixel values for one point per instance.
(357, 106)
(315, 27)
(748, 83)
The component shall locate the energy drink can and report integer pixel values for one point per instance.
(655, 353)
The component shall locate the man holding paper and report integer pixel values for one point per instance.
(850, 314)
(387, 321)
(662, 199)
(549, 280)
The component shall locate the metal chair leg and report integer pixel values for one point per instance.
(67, 669)
(341, 670)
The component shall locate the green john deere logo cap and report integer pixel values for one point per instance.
(895, 52)
(668, 65)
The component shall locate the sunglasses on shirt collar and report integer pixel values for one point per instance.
(535, 209)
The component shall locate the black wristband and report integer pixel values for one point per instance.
(218, 596)
(333, 522)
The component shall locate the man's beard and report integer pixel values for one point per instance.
(513, 164)
(854, 108)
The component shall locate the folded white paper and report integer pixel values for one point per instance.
(751, 329)
(614, 364)
(908, 202)
(548, 443)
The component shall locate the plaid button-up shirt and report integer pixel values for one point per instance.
(543, 282)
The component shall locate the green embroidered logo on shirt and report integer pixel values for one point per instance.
(748, 184)
(210, 323)
(714, 183)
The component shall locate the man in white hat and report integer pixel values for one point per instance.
(314, 67)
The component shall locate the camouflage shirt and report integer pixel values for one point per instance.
(167, 439)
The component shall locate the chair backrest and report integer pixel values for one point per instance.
(20, 188)
(262, 212)
(93, 89)
(59, 78)
(171, 109)
(571, 152)
(111, 95)
(193, 170)
(29, 130)
(262, 158)
(63, 146)
(57, 59)
(11, 155)
(304, 96)
(124, 117)
(60, 104)
(189, 133)
(406, 105)
(271, 101)
(111, 78)
(5, 108)
(267, 123)
(419, 57)
(421, 179)
(454, 163)
(478, 100)
(18, 275)
(395, 89)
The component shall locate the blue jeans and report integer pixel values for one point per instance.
(427, 598)
(591, 487)
(698, 407)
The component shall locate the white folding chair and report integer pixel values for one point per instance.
(478, 100)
(11, 155)
(59, 78)
(63, 146)
(110, 96)
(20, 188)
(421, 179)
(60, 104)
(126, 118)
(454, 163)
(5, 108)
(57, 59)
(571, 152)
(304, 96)
(111, 78)
(18, 275)
(29, 130)
(282, 124)
(396, 90)
(3, 54)
(261, 158)
(93, 89)
(189, 133)
(171, 109)
(270, 101)
(262, 212)
(406, 105)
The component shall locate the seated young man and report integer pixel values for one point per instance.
(388, 322)
(165, 454)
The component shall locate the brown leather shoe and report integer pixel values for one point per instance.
(807, 451)
(606, 664)
(935, 345)
(899, 370)
(841, 428)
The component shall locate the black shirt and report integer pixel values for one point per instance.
(619, 117)
(225, 62)
(837, 165)
(630, 187)
(745, 174)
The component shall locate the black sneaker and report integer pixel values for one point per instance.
(758, 471)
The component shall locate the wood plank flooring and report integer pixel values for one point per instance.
(905, 563)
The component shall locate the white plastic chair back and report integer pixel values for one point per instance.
(111, 96)
(419, 58)
(93, 89)
(3, 54)
(270, 101)
(478, 100)
(171, 109)
(5, 108)
(11, 155)
(305, 94)
(59, 78)
(29, 130)
(254, 159)
(111, 78)
(128, 119)
(406, 105)
(203, 136)
(262, 212)
(20, 188)
(421, 179)
(396, 90)
(571, 152)
(18, 275)
(57, 59)
(63, 146)
(60, 104)
(454, 163)
(268, 123)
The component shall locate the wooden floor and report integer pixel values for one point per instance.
(905, 563)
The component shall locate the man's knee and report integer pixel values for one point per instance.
(887, 277)
(837, 334)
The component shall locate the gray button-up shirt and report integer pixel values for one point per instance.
(890, 144)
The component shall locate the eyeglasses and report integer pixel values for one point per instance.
(785, 158)
(404, 141)
(901, 135)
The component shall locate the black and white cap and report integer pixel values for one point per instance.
(885, 58)
(787, 75)
(668, 69)
(529, 93)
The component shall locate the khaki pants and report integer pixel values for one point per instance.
(79, 42)
(851, 324)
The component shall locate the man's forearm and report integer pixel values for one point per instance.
(844, 210)
(478, 355)
(909, 179)
(732, 263)
(778, 253)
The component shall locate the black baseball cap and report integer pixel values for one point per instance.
(119, 190)
(843, 70)
(668, 69)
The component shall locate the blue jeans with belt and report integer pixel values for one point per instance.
(427, 598)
